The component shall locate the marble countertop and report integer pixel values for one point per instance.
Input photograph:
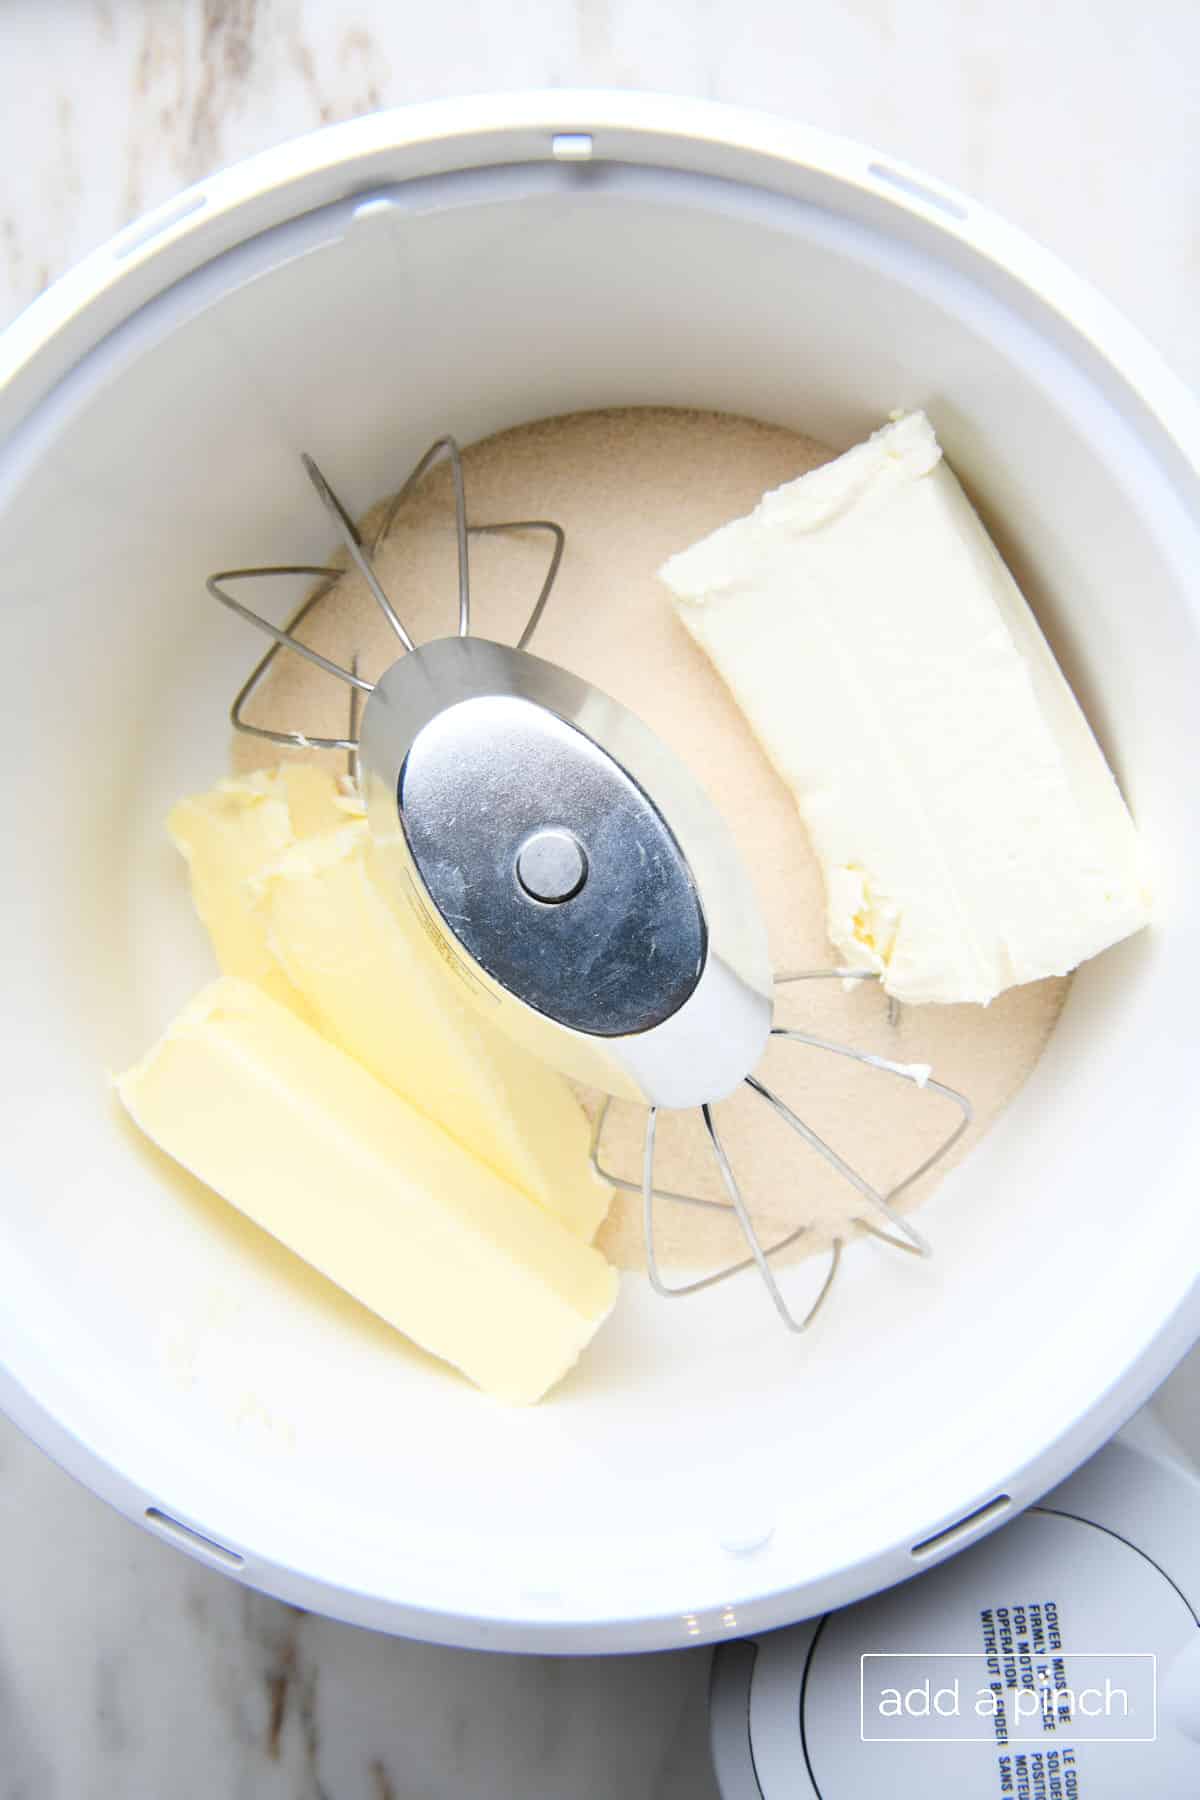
(127, 1672)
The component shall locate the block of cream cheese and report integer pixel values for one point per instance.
(227, 835)
(970, 832)
(376, 988)
(369, 1191)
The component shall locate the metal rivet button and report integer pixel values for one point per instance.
(551, 866)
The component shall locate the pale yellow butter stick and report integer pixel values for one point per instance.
(374, 986)
(226, 836)
(368, 1190)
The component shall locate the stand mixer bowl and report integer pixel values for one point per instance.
(701, 1475)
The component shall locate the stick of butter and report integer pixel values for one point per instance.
(369, 1191)
(970, 833)
(375, 987)
(227, 835)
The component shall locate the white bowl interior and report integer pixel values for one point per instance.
(188, 1364)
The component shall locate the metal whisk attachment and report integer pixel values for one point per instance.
(574, 877)
(899, 1233)
(361, 556)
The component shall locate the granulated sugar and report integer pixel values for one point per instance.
(629, 488)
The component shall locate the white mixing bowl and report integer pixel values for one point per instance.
(467, 266)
